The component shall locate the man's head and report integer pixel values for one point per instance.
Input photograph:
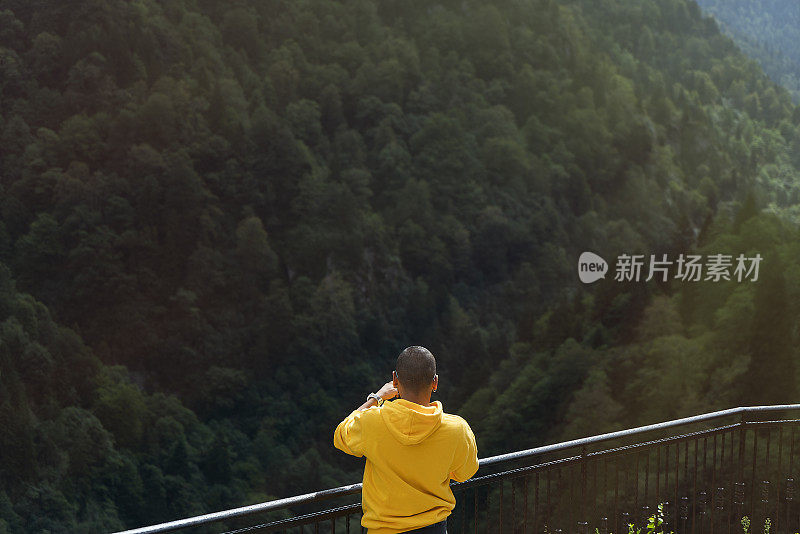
(416, 373)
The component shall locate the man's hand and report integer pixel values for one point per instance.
(388, 391)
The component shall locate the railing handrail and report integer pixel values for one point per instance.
(518, 455)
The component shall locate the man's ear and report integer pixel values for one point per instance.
(394, 379)
(435, 382)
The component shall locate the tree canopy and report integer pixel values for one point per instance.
(220, 222)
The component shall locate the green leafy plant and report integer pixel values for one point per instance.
(746, 525)
(654, 524)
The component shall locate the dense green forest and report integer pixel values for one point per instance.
(220, 222)
(766, 30)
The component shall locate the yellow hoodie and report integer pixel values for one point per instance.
(412, 453)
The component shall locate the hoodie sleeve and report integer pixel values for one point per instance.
(465, 462)
(349, 435)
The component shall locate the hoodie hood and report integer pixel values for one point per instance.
(409, 422)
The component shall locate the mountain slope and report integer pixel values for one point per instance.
(245, 212)
(767, 31)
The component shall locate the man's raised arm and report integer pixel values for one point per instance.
(349, 436)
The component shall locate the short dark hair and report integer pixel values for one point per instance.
(416, 368)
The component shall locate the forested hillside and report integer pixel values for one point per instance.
(766, 30)
(220, 222)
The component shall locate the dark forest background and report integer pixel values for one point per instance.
(220, 222)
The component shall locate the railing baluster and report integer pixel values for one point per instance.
(778, 474)
(739, 498)
(791, 473)
(677, 474)
(636, 487)
(594, 506)
(605, 485)
(565, 491)
(536, 503)
(463, 515)
(789, 499)
(583, 484)
(560, 485)
(719, 501)
(722, 488)
(704, 482)
(658, 475)
(488, 509)
(513, 508)
(685, 498)
(753, 478)
(702, 499)
(767, 475)
(525, 517)
(666, 475)
(500, 507)
(791, 455)
(684, 512)
(713, 481)
(548, 510)
(694, 488)
(731, 478)
(475, 500)
(616, 493)
(646, 508)
(740, 485)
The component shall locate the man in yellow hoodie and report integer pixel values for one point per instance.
(413, 450)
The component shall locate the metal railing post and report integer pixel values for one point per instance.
(740, 485)
(583, 488)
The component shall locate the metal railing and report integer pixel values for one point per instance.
(706, 472)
